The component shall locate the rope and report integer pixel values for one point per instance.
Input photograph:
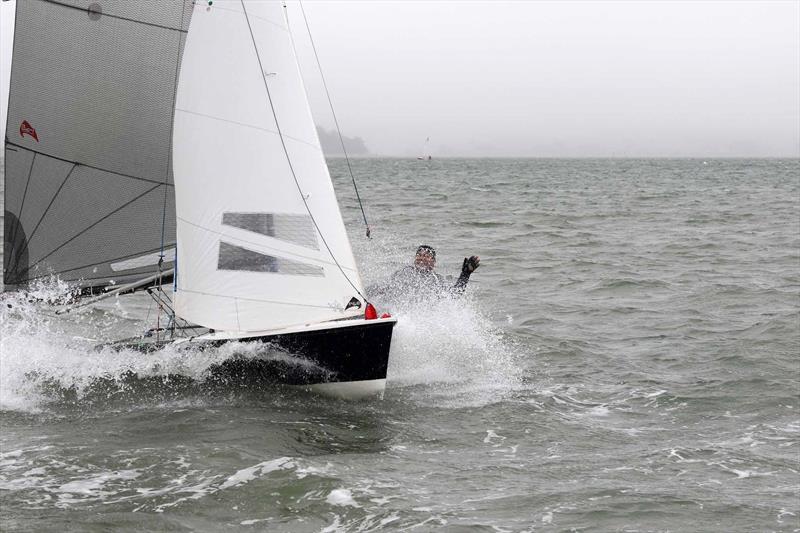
(288, 159)
(335, 120)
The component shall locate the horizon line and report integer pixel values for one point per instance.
(687, 157)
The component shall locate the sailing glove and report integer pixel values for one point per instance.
(470, 264)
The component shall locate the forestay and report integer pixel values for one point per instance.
(88, 178)
(259, 228)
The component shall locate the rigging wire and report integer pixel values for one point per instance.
(335, 120)
(288, 159)
(159, 284)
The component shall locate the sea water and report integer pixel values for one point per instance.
(625, 358)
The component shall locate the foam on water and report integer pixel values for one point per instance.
(444, 344)
(447, 341)
(251, 473)
(42, 359)
(442, 341)
(341, 498)
(65, 486)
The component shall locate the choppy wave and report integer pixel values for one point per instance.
(625, 359)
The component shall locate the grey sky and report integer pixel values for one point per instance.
(555, 78)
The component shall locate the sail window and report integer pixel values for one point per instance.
(295, 229)
(233, 257)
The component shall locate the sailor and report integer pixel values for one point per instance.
(420, 278)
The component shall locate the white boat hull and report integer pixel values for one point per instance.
(351, 390)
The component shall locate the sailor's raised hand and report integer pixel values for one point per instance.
(470, 264)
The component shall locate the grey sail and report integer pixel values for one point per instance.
(89, 192)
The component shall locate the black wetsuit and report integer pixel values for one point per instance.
(418, 283)
(411, 276)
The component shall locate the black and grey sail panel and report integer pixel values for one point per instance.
(89, 192)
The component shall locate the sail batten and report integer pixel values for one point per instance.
(83, 164)
(311, 143)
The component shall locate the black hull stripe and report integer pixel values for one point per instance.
(336, 355)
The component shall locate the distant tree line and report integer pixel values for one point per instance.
(332, 147)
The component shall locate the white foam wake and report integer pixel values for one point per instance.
(41, 353)
(444, 343)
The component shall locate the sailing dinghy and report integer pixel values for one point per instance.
(425, 150)
(262, 252)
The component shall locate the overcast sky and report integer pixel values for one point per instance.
(533, 78)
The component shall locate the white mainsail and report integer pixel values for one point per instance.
(261, 241)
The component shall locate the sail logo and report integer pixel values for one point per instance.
(26, 129)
